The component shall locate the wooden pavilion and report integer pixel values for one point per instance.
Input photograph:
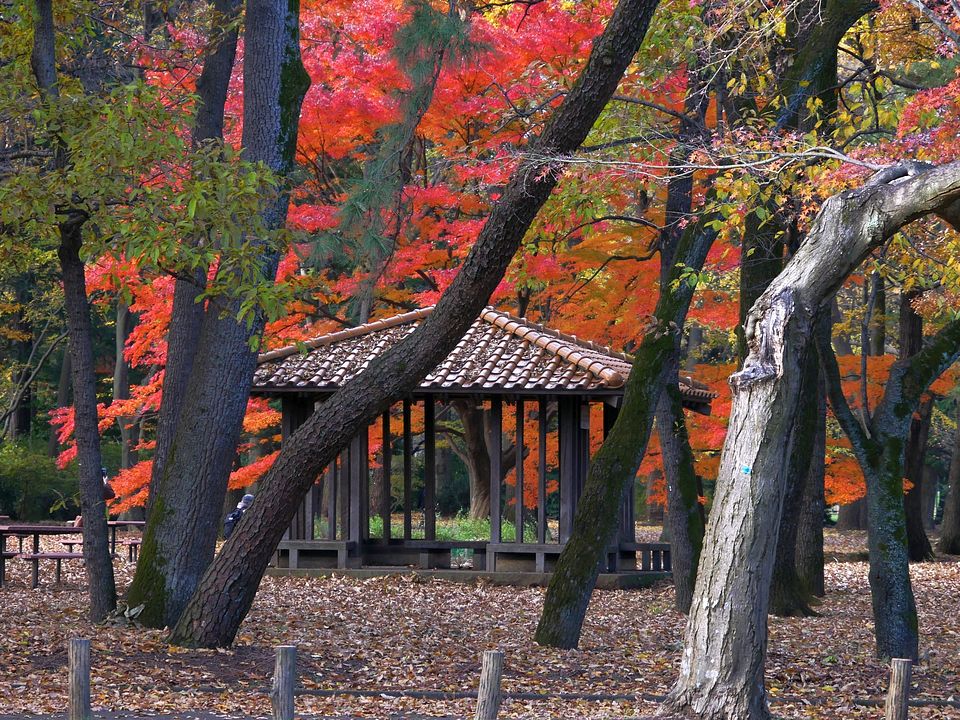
(559, 391)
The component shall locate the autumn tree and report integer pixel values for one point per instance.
(213, 615)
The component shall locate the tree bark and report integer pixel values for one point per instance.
(129, 435)
(788, 594)
(809, 545)
(63, 399)
(96, 554)
(950, 527)
(193, 463)
(911, 342)
(721, 672)
(228, 588)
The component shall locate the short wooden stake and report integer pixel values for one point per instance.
(488, 698)
(284, 680)
(78, 659)
(898, 696)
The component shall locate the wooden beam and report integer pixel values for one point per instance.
(542, 470)
(332, 482)
(407, 473)
(429, 470)
(294, 411)
(357, 461)
(518, 474)
(385, 500)
(496, 466)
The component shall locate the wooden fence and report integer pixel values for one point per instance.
(284, 686)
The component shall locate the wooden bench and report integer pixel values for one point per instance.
(133, 548)
(71, 544)
(437, 553)
(654, 557)
(35, 558)
(295, 554)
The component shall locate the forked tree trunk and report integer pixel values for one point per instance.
(721, 672)
(227, 590)
(950, 527)
(180, 537)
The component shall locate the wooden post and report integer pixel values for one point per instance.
(568, 424)
(78, 658)
(496, 468)
(488, 697)
(542, 471)
(407, 473)
(332, 481)
(429, 469)
(898, 695)
(385, 499)
(284, 680)
(518, 474)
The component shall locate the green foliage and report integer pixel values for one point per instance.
(31, 486)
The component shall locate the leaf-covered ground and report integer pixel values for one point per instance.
(391, 634)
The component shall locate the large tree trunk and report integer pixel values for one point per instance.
(129, 435)
(721, 672)
(193, 463)
(950, 527)
(228, 588)
(473, 450)
(96, 553)
(853, 516)
(63, 399)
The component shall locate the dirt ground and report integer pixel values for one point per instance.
(389, 635)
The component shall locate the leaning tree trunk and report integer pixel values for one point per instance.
(721, 672)
(950, 527)
(227, 590)
(618, 459)
(181, 534)
(96, 553)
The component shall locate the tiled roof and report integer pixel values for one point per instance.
(499, 352)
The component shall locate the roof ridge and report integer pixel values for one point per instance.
(543, 337)
(330, 338)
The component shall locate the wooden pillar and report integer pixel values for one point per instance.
(568, 417)
(518, 474)
(583, 447)
(294, 412)
(343, 491)
(496, 467)
(542, 471)
(385, 500)
(429, 469)
(332, 483)
(407, 473)
(358, 461)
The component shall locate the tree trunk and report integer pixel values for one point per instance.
(721, 671)
(618, 459)
(473, 450)
(809, 546)
(853, 516)
(918, 544)
(191, 468)
(788, 594)
(950, 527)
(911, 342)
(684, 511)
(96, 551)
(129, 435)
(228, 588)
(96, 554)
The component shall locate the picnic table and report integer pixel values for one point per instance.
(113, 525)
(35, 530)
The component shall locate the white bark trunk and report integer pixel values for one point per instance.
(721, 673)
